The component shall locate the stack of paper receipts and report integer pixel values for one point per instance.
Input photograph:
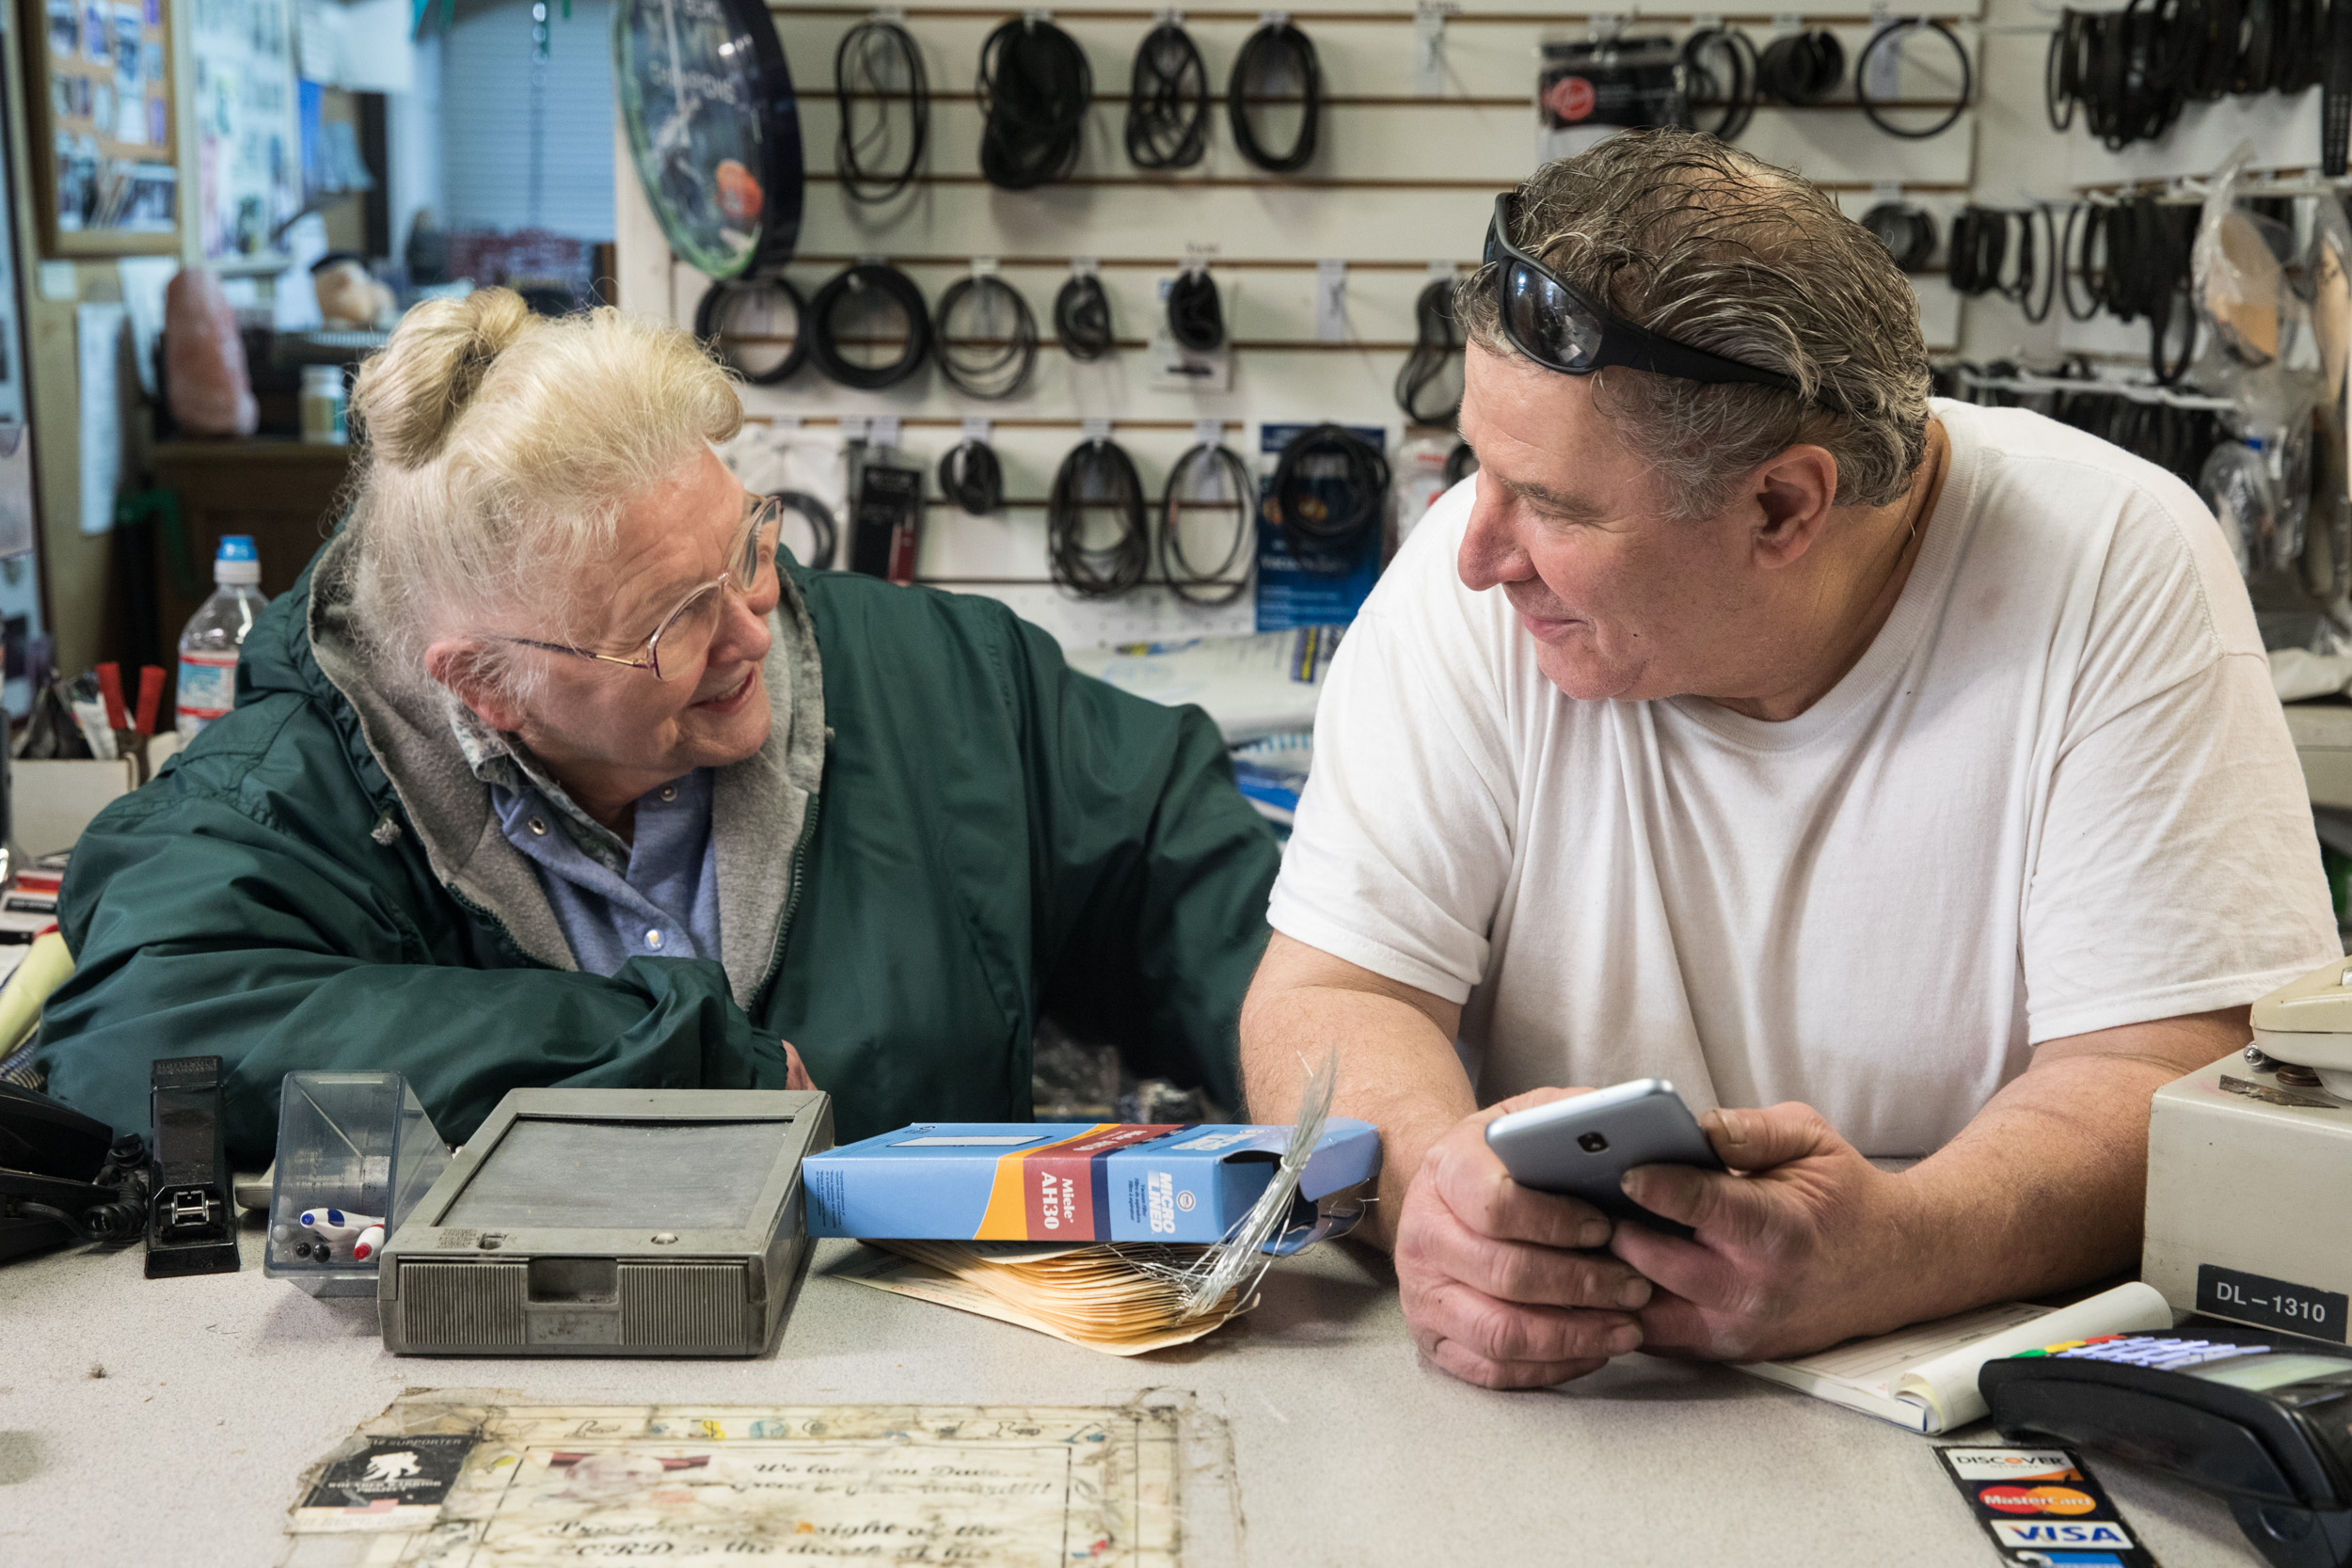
(1106, 1298)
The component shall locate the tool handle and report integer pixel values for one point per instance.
(110, 687)
(150, 697)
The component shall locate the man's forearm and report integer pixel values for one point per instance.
(1397, 1066)
(2045, 1189)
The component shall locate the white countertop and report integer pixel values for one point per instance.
(219, 1392)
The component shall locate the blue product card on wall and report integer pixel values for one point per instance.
(1322, 591)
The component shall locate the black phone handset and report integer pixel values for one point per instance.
(2265, 1424)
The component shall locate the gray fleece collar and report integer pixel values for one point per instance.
(758, 806)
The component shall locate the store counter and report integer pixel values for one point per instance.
(218, 1393)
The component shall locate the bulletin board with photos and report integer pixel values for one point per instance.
(102, 126)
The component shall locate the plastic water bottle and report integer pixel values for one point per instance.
(208, 649)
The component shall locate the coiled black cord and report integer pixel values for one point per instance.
(993, 361)
(1168, 101)
(720, 322)
(1201, 466)
(1801, 67)
(1082, 318)
(1719, 65)
(1429, 383)
(970, 476)
(1277, 64)
(870, 54)
(1979, 244)
(868, 283)
(2038, 261)
(2061, 74)
(1034, 88)
(1460, 463)
(1326, 535)
(1891, 36)
(1908, 233)
(2089, 220)
(824, 535)
(1097, 476)
(1196, 316)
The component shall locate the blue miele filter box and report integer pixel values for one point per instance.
(1038, 1182)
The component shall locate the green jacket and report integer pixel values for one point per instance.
(977, 837)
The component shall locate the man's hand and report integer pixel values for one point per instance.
(1501, 1284)
(1809, 1243)
(795, 1071)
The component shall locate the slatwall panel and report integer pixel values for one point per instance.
(1402, 180)
(485, 120)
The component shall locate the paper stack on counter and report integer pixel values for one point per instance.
(1925, 1377)
(1095, 1296)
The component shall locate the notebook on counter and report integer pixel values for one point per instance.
(1925, 1377)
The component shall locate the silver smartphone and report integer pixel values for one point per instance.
(1584, 1145)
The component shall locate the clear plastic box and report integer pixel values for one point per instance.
(355, 1142)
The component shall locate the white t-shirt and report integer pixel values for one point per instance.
(2054, 795)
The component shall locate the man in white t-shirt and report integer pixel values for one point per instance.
(1911, 772)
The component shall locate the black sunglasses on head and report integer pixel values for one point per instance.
(1562, 331)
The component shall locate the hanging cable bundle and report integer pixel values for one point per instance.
(991, 349)
(1082, 318)
(2038, 261)
(1891, 37)
(2088, 221)
(1326, 530)
(1196, 317)
(1429, 384)
(823, 533)
(1908, 233)
(1034, 88)
(1719, 67)
(1979, 244)
(1460, 463)
(1097, 476)
(1207, 477)
(970, 476)
(741, 315)
(2132, 71)
(1277, 65)
(1168, 101)
(1801, 67)
(864, 288)
(879, 62)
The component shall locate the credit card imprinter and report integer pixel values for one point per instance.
(2255, 1418)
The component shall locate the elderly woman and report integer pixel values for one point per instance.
(553, 770)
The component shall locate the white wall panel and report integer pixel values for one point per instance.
(1401, 180)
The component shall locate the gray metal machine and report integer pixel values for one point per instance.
(610, 1222)
(2247, 1163)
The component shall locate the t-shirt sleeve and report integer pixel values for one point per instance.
(1410, 715)
(2176, 870)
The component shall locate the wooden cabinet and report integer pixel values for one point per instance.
(287, 495)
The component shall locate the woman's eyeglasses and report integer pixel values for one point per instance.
(680, 643)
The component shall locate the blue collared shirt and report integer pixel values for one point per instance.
(663, 902)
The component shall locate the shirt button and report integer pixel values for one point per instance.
(653, 939)
(669, 792)
(538, 827)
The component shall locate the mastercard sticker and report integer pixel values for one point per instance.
(2042, 1508)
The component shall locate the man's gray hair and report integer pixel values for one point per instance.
(1699, 242)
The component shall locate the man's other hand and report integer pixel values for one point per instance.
(1807, 1244)
(1504, 1286)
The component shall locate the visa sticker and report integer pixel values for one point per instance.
(2059, 1532)
(2042, 1508)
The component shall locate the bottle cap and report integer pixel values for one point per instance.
(237, 561)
